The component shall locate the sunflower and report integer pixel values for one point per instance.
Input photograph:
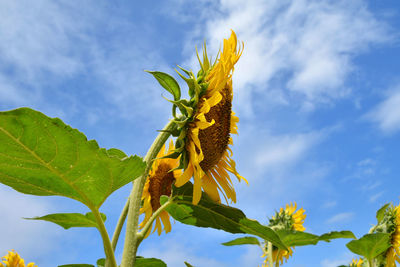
(356, 263)
(287, 219)
(208, 132)
(12, 259)
(393, 254)
(159, 182)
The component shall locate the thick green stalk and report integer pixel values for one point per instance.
(270, 258)
(106, 239)
(132, 238)
(371, 263)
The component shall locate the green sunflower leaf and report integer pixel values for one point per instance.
(381, 212)
(370, 245)
(68, 220)
(297, 238)
(43, 156)
(246, 240)
(208, 213)
(188, 264)
(149, 262)
(336, 234)
(168, 82)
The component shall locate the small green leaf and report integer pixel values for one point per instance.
(335, 234)
(101, 262)
(76, 265)
(45, 157)
(297, 238)
(149, 262)
(370, 245)
(68, 220)
(381, 212)
(188, 264)
(208, 213)
(246, 240)
(168, 82)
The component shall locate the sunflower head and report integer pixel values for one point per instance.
(12, 259)
(159, 182)
(207, 124)
(356, 263)
(279, 256)
(390, 223)
(286, 219)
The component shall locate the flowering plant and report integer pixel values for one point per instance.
(187, 180)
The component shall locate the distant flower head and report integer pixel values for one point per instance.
(357, 263)
(285, 219)
(12, 259)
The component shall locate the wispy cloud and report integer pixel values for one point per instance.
(329, 204)
(387, 113)
(302, 49)
(375, 197)
(56, 52)
(340, 218)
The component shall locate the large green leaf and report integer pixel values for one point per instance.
(168, 82)
(149, 262)
(246, 240)
(68, 220)
(370, 245)
(208, 213)
(43, 156)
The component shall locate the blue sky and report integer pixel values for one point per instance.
(317, 91)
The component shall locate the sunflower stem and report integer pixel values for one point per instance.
(132, 237)
(118, 229)
(119, 226)
(270, 259)
(149, 223)
(110, 257)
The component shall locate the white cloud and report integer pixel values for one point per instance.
(49, 45)
(387, 114)
(341, 218)
(283, 150)
(375, 197)
(329, 204)
(303, 48)
(39, 38)
(23, 235)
